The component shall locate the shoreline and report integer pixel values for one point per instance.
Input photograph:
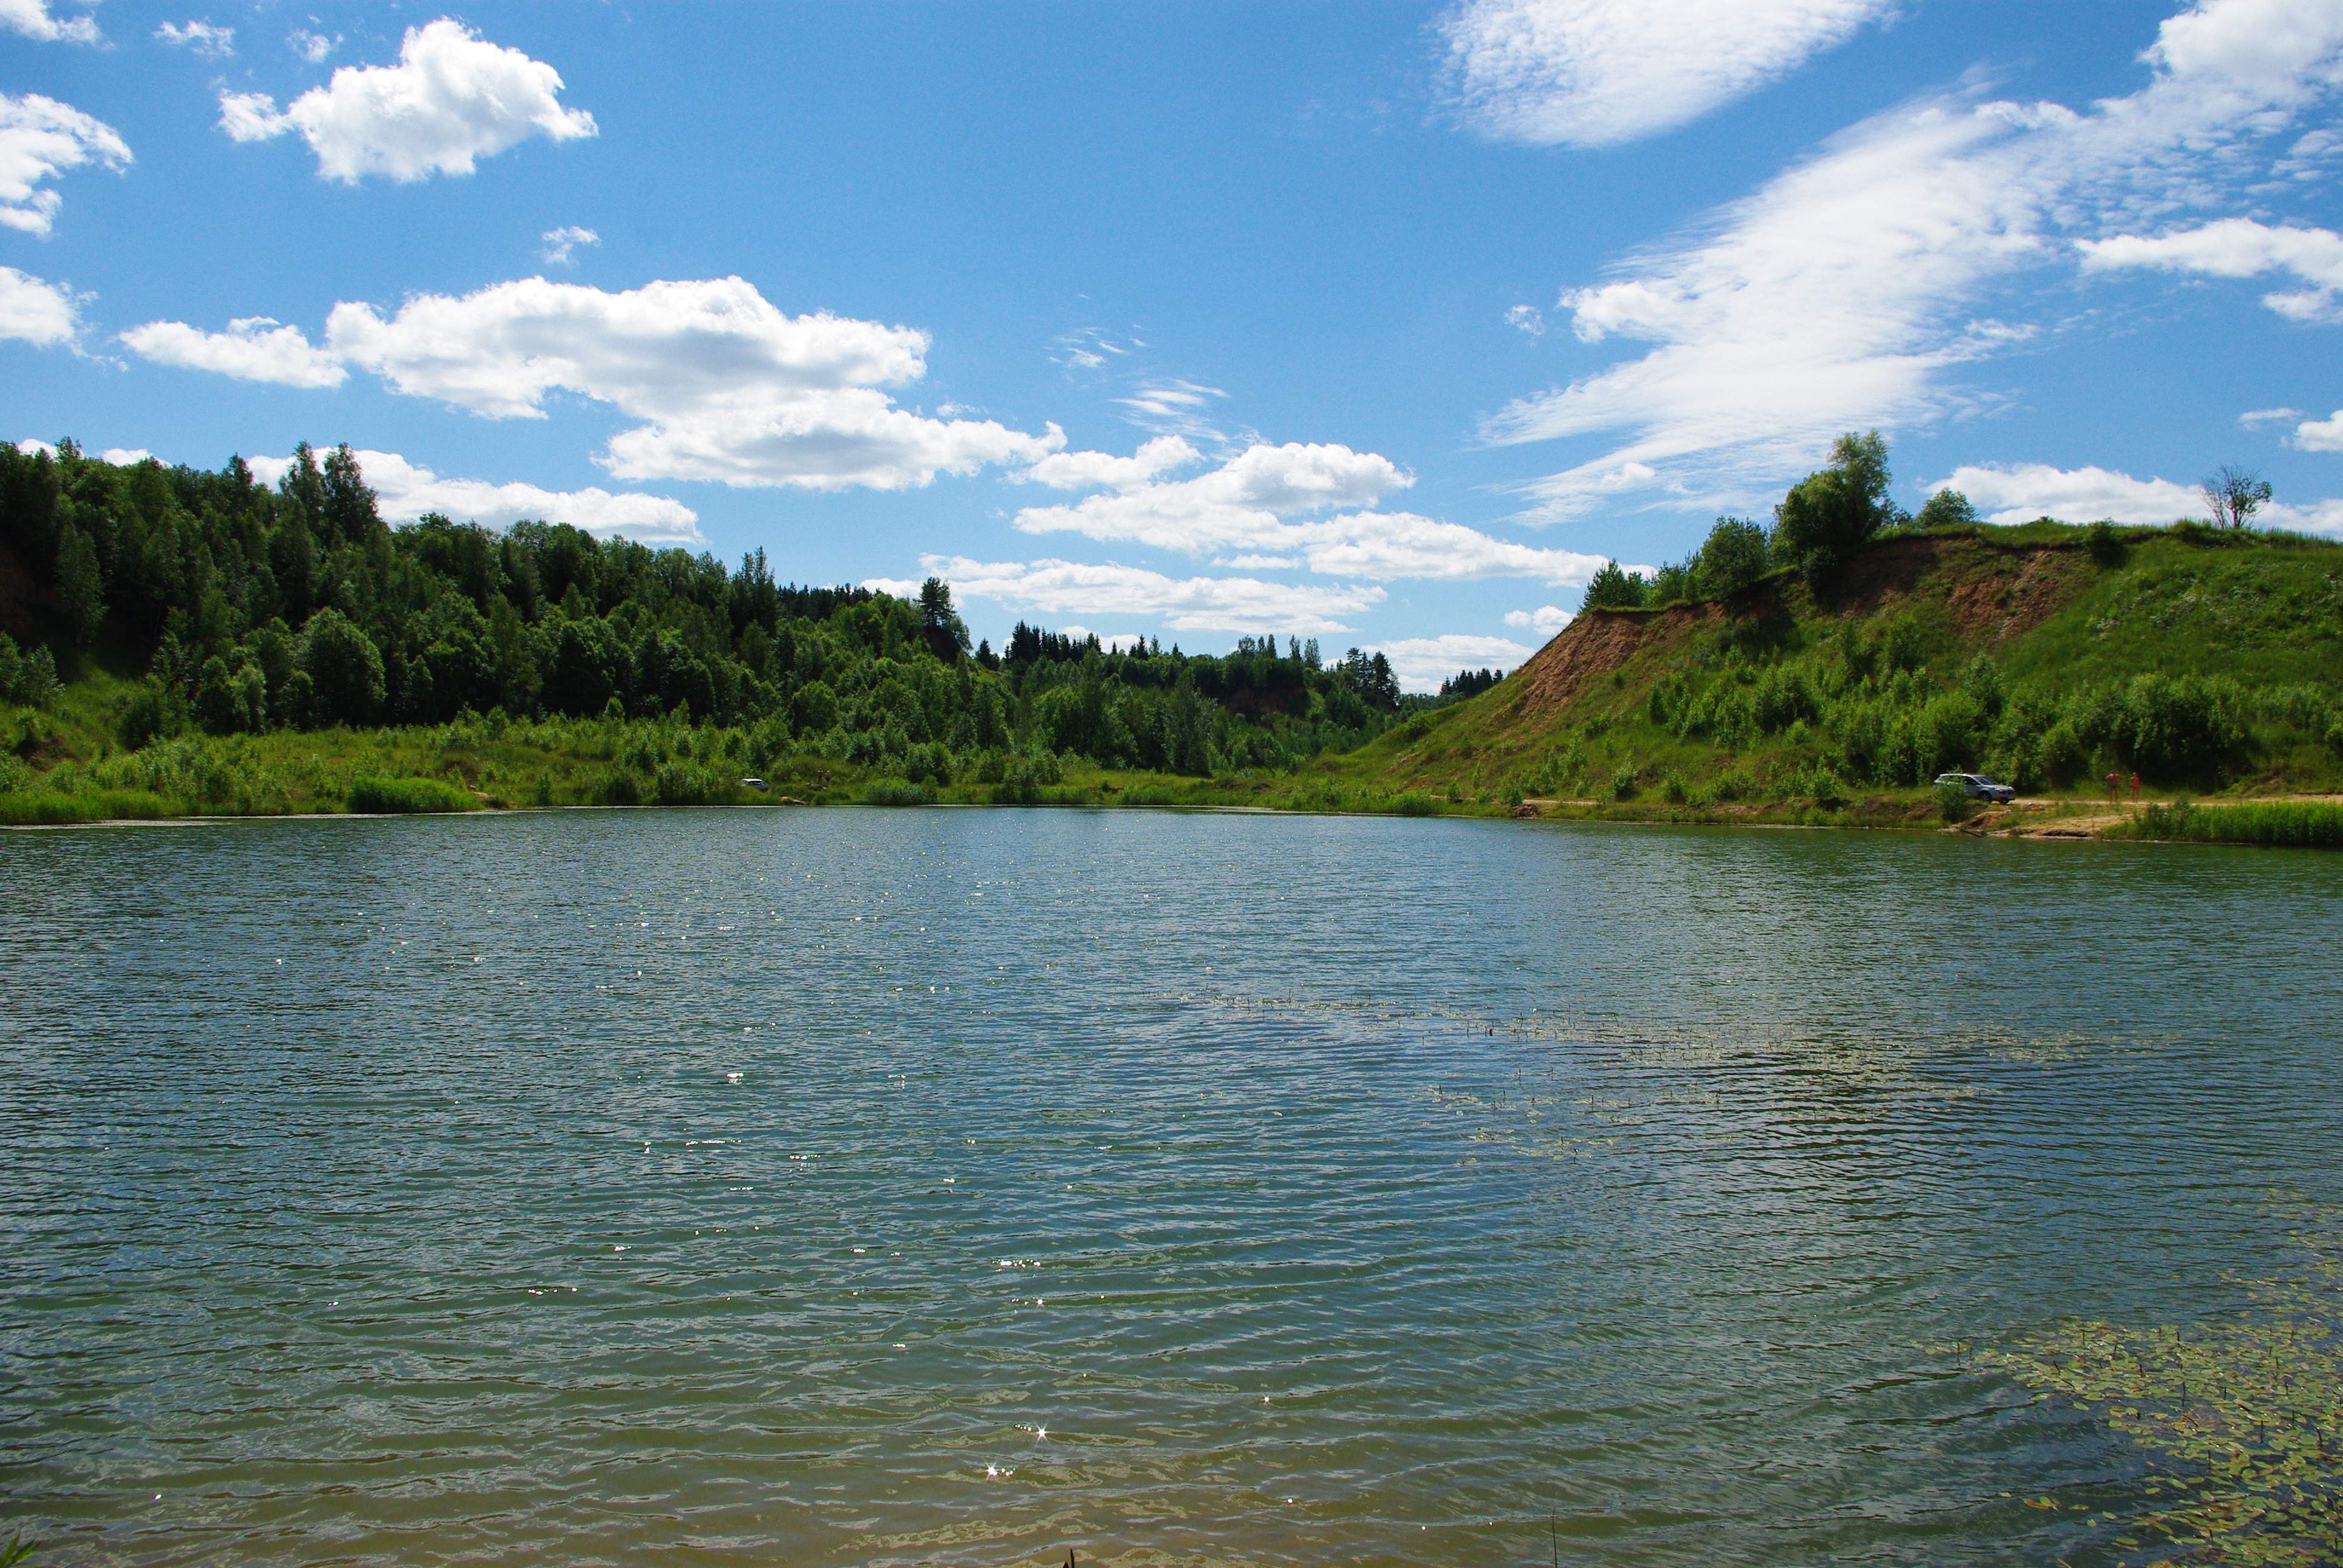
(2068, 821)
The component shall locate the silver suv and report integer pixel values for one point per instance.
(1979, 787)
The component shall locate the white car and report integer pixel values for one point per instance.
(1979, 787)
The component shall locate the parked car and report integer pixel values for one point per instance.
(1979, 787)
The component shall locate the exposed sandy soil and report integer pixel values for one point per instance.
(1590, 648)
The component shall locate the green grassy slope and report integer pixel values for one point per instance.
(2204, 662)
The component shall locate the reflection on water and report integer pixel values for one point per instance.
(953, 1186)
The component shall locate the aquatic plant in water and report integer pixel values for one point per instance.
(2248, 1412)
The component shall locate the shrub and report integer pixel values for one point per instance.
(404, 795)
(2105, 546)
(1623, 783)
(1671, 789)
(1953, 803)
(899, 792)
(1413, 804)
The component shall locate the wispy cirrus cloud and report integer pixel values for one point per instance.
(1850, 291)
(1598, 73)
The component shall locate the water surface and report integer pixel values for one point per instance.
(953, 1186)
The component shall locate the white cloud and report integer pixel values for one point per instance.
(404, 492)
(2320, 434)
(1190, 604)
(560, 242)
(1236, 506)
(253, 349)
(452, 98)
(730, 388)
(2022, 492)
(1840, 294)
(1248, 506)
(1089, 470)
(1598, 73)
(1174, 408)
(1546, 618)
(2254, 418)
(40, 138)
(1386, 546)
(1421, 663)
(212, 43)
(123, 456)
(314, 46)
(34, 311)
(1527, 319)
(32, 18)
(2239, 248)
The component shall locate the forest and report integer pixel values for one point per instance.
(243, 608)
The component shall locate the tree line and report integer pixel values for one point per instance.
(248, 606)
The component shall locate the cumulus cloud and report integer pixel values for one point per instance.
(2241, 247)
(312, 46)
(560, 242)
(1846, 292)
(729, 388)
(2021, 492)
(1236, 506)
(1598, 73)
(1057, 588)
(452, 98)
(404, 491)
(40, 138)
(32, 18)
(1255, 506)
(212, 43)
(1546, 620)
(253, 349)
(34, 311)
(1421, 663)
(1526, 319)
(2320, 434)
(1089, 470)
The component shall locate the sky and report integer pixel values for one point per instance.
(1380, 324)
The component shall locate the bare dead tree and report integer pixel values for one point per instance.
(2235, 494)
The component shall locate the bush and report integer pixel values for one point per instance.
(405, 796)
(2105, 546)
(1954, 802)
(899, 792)
(1413, 804)
(1623, 783)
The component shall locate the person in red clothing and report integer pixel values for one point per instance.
(2114, 787)
(2135, 786)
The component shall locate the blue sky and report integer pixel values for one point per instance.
(1381, 323)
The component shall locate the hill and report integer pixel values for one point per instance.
(2203, 659)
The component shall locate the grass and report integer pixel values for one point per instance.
(2272, 824)
(47, 809)
(899, 792)
(408, 795)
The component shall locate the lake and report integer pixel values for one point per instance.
(953, 1187)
